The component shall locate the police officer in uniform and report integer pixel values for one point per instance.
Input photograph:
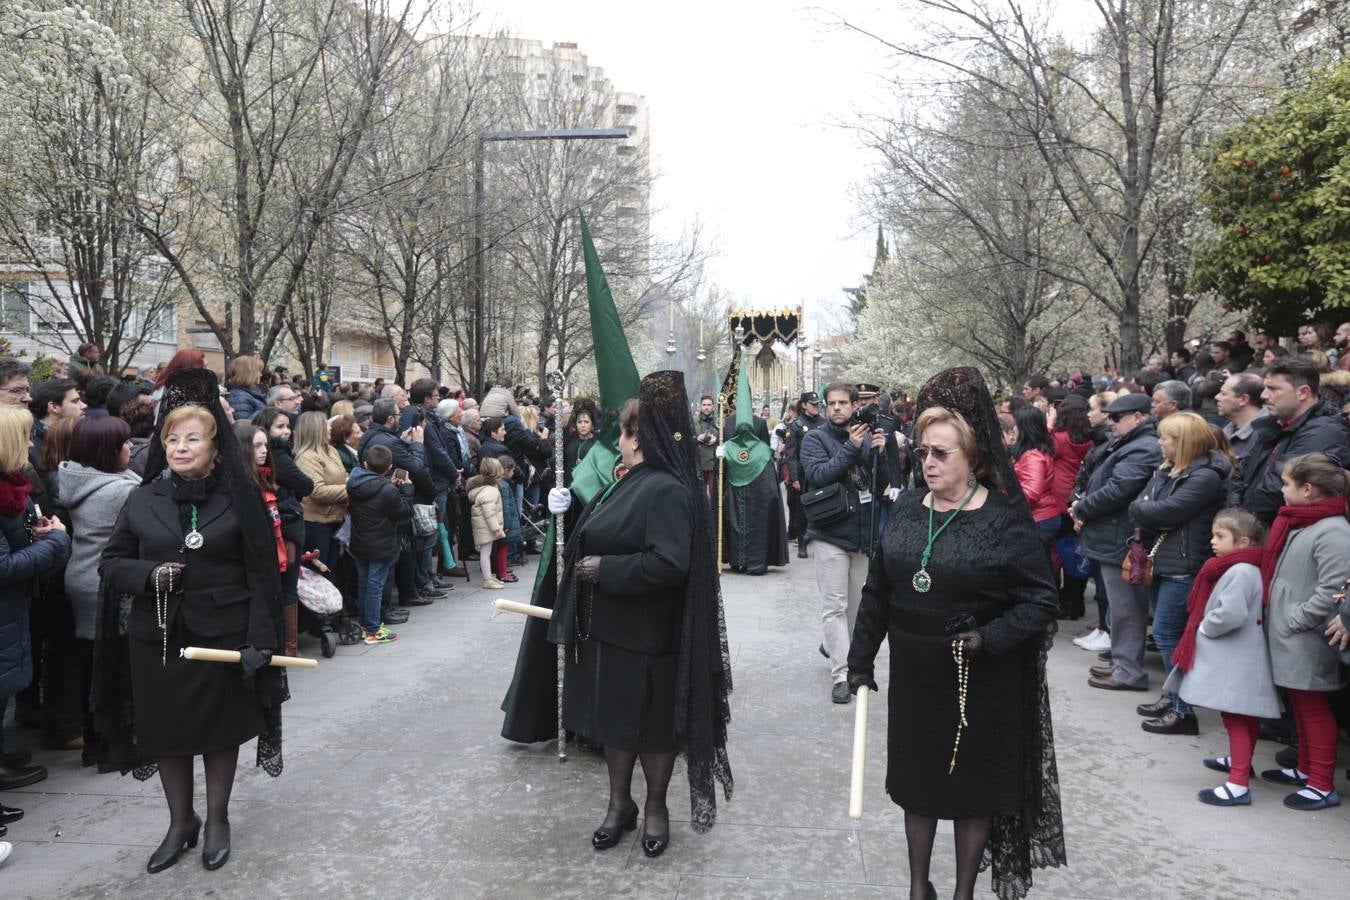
(808, 417)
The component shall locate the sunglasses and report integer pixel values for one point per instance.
(923, 452)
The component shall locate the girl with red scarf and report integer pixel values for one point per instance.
(1305, 565)
(1221, 660)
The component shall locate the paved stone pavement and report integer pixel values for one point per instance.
(398, 785)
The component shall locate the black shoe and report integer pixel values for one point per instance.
(1104, 656)
(14, 777)
(16, 759)
(394, 615)
(4, 830)
(1287, 758)
(215, 857)
(443, 583)
(1277, 776)
(1156, 708)
(419, 600)
(839, 693)
(1171, 723)
(653, 845)
(605, 836)
(167, 853)
(432, 591)
(801, 550)
(1150, 645)
(9, 814)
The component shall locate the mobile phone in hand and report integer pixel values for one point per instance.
(400, 474)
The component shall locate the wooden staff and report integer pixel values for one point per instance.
(855, 791)
(207, 654)
(525, 609)
(721, 474)
(556, 383)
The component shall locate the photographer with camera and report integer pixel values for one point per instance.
(844, 464)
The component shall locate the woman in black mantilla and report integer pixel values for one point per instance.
(639, 610)
(195, 553)
(962, 591)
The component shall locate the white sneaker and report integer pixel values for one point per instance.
(1102, 642)
(1084, 639)
(493, 584)
(5, 848)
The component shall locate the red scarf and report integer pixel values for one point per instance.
(1287, 519)
(14, 491)
(270, 499)
(1183, 657)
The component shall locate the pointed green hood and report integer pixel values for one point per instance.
(746, 454)
(618, 378)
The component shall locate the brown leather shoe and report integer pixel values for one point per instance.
(1101, 671)
(456, 572)
(1109, 683)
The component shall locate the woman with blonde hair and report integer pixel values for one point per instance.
(246, 395)
(326, 505)
(1175, 513)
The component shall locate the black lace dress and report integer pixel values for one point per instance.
(987, 564)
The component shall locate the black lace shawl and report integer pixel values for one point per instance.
(1033, 838)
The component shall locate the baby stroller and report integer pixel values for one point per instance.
(321, 604)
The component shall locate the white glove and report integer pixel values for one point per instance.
(721, 451)
(559, 501)
(893, 494)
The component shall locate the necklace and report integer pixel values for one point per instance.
(193, 540)
(923, 582)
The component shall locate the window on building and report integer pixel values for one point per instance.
(14, 306)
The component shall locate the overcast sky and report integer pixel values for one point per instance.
(745, 103)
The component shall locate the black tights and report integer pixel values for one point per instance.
(175, 774)
(656, 769)
(971, 837)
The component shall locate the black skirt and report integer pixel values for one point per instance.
(921, 729)
(620, 698)
(187, 708)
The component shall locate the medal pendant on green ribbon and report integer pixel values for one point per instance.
(922, 582)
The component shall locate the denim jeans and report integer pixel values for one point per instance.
(426, 559)
(371, 578)
(1169, 622)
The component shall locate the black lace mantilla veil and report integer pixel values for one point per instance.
(1034, 838)
(703, 681)
(201, 388)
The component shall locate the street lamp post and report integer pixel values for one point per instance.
(479, 190)
(815, 366)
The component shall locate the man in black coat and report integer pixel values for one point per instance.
(808, 418)
(423, 396)
(1298, 423)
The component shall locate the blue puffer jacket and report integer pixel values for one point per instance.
(21, 561)
(246, 402)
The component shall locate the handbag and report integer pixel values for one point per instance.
(424, 519)
(1137, 567)
(1076, 565)
(827, 505)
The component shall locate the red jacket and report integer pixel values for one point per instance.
(1036, 472)
(1068, 460)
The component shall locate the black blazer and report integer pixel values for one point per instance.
(643, 534)
(221, 596)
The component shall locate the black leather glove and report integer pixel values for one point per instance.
(972, 642)
(166, 577)
(858, 679)
(588, 569)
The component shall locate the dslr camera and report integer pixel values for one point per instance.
(870, 416)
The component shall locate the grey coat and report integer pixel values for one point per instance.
(1313, 567)
(95, 499)
(1232, 665)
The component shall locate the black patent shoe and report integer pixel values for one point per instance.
(1157, 708)
(215, 857)
(9, 814)
(609, 836)
(1171, 723)
(167, 853)
(654, 845)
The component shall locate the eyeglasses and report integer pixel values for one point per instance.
(923, 452)
(22, 390)
(192, 440)
(1116, 417)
